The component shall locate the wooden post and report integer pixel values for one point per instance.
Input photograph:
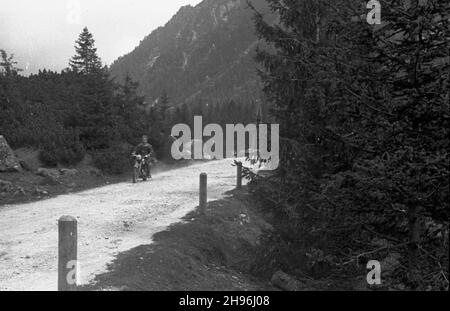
(203, 192)
(239, 175)
(67, 254)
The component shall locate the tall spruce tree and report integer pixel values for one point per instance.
(409, 64)
(363, 113)
(163, 104)
(85, 60)
(97, 116)
(133, 123)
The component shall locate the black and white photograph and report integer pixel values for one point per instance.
(204, 147)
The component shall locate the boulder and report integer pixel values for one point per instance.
(28, 159)
(286, 282)
(68, 172)
(8, 160)
(51, 176)
(48, 172)
(40, 191)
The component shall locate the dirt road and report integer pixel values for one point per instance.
(111, 219)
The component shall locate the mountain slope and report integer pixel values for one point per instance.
(204, 52)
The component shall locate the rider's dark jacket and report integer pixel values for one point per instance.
(144, 149)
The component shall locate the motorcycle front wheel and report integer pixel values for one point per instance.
(135, 174)
(144, 173)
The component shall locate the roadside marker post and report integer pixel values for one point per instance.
(67, 253)
(239, 175)
(203, 192)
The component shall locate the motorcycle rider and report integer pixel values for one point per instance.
(143, 149)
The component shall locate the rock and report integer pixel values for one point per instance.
(68, 172)
(95, 172)
(40, 191)
(51, 175)
(46, 172)
(285, 282)
(8, 160)
(28, 159)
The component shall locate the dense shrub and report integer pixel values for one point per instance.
(64, 115)
(62, 147)
(114, 160)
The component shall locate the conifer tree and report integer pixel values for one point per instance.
(364, 124)
(163, 104)
(128, 103)
(85, 60)
(8, 64)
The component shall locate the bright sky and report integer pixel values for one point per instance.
(42, 33)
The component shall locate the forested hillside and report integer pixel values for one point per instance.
(83, 110)
(203, 53)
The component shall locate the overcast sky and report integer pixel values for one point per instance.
(41, 33)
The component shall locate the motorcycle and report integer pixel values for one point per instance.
(141, 168)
